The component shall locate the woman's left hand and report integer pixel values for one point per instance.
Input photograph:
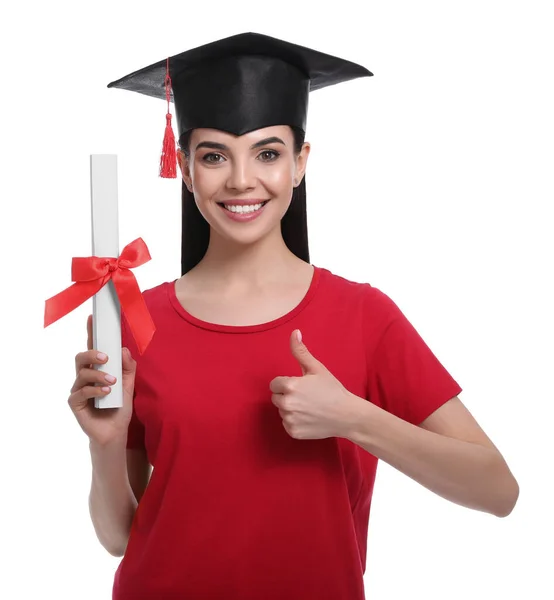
(316, 405)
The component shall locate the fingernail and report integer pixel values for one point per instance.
(101, 356)
(298, 335)
(109, 378)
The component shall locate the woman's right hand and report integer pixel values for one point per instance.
(102, 425)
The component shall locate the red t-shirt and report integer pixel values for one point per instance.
(236, 508)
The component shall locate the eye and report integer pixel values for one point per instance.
(269, 155)
(209, 158)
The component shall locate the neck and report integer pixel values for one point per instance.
(245, 265)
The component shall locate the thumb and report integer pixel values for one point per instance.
(128, 363)
(308, 363)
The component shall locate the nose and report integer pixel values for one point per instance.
(242, 176)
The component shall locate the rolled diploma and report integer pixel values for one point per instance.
(106, 310)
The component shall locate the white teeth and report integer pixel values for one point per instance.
(243, 209)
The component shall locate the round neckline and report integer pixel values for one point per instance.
(180, 309)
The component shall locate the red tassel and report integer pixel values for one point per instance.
(168, 159)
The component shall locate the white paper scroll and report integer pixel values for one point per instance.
(106, 311)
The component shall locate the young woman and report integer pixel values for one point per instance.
(264, 443)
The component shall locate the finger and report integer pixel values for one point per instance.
(128, 363)
(277, 399)
(88, 376)
(87, 359)
(286, 404)
(282, 385)
(86, 393)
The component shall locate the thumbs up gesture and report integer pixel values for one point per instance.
(316, 405)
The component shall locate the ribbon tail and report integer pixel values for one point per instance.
(134, 307)
(69, 299)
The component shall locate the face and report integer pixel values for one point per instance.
(243, 185)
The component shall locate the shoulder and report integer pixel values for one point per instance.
(155, 298)
(371, 299)
(157, 290)
(364, 305)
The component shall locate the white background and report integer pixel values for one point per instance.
(431, 180)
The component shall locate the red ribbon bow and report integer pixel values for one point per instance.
(92, 273)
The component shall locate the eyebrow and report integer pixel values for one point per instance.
(264, 142)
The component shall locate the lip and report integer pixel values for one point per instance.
(248, 202)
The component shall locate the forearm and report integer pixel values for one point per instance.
(468, 474)
(112, 503)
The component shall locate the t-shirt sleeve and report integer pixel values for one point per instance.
(135, 432)
(405, 377)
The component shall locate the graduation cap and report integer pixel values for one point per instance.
(237, 84)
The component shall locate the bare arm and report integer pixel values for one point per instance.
(112, 503)
(448, 454)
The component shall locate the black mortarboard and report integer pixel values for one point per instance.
(239, 84)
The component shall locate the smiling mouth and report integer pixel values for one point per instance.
(242, 208)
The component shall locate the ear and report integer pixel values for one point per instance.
(301, 163)
(185, 168)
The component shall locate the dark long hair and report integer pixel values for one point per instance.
(196, 230)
